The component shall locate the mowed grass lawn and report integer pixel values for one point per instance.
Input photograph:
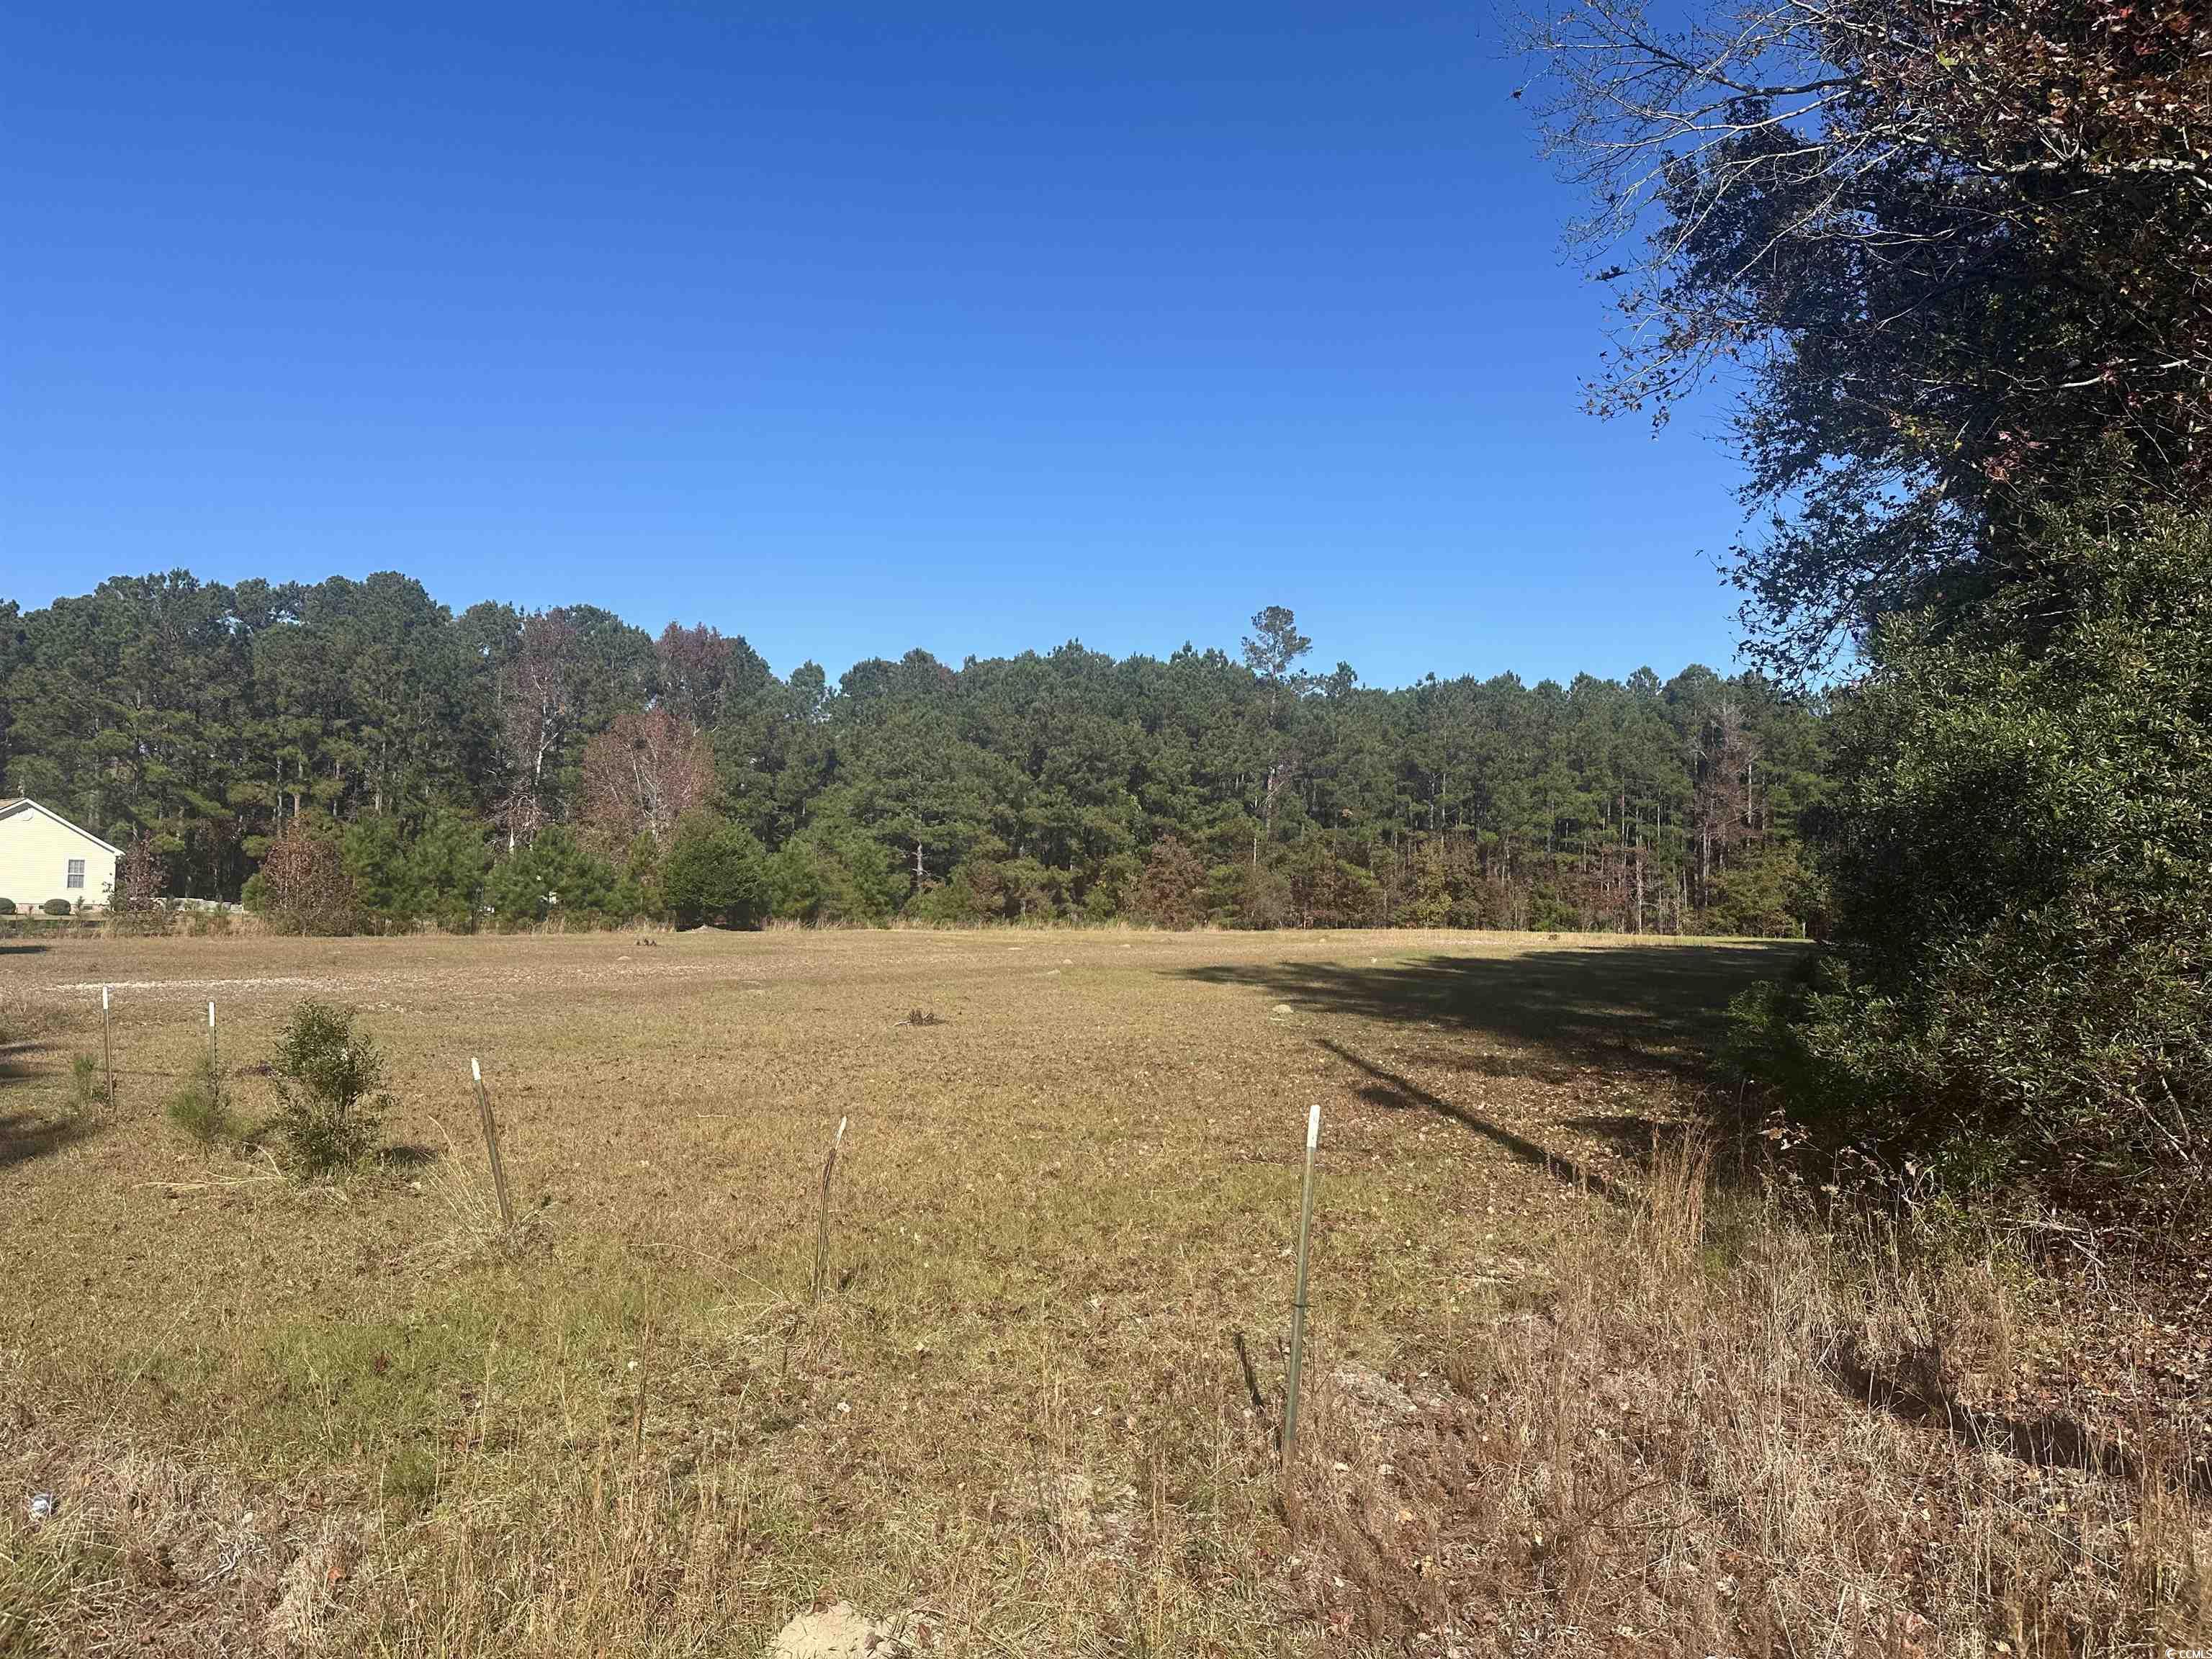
(351, 1418)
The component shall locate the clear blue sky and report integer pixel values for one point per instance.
(976, 327)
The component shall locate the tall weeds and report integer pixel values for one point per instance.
(1734, 1426)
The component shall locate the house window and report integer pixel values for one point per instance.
(77, 872)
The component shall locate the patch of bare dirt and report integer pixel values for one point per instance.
(841, 1630)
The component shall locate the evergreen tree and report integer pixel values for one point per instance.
(1050, 785)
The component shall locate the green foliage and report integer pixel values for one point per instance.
(200, 1105)
(1324, 891)
(1030, 890)
(329, 1089)
(950, 903)
(833, 871)
(1251, 895)
(1951, 261)
(1113, 891)
(715, 873)
(7, 907)
(1768, 894)
(2021, 863)
(57, 907)
(556, 876)
(367, 750)
(637, 896)
(374, 858)
(446, 868)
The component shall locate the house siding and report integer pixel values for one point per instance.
(34, 854)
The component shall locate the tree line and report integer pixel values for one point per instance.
(352, 753)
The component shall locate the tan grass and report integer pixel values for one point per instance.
(1019, 1416)
(1670, 1452)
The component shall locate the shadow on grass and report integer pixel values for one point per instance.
(26, 1136)
(2052, 1441)
(1392, 1091)
(1638, 1007)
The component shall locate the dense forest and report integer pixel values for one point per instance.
(393, 763)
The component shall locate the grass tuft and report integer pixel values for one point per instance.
(201, 1105)
(87, 1083)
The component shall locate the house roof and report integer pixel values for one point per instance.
(9, 809)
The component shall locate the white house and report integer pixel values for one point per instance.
(44, 856)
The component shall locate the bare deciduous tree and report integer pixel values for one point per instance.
(305, 882)
(643, 774)
(538, 696)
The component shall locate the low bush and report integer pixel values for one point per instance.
(57, 907)
(201, 1106)
(2020, 861)
(329, 1089)
(7, 907)
(302, 886)
(714, 872)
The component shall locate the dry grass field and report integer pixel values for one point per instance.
(1564, 1396)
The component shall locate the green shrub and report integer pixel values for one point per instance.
(1326, 890)
(200, 1105)
(2021, 862)
(7, 907)
(57, 907)
(833, 871)
(969, 896)
(1763, 893)
(445, 870)
(329, 1089)
(556, 876)
(714, 872)
(373, 854)
(1113, 889)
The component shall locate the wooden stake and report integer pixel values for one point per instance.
(822, 1221)
(215, 1048)
(1298, 1303)
(107, 1047)
(637, 1413)
(491, 1147)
